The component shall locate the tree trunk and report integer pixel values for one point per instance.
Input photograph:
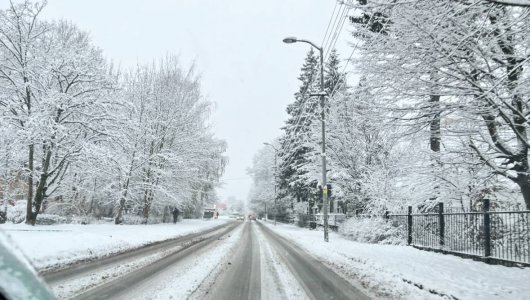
(524, 184)
(148, 198)
(435, 139)
(40, 191)
(121, 205)
(123, 199)
(435, 145)
(29, 204)
(119, 214)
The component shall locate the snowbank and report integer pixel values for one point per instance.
(50, 247)
(401, 272)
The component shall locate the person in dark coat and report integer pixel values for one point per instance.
(175, 215)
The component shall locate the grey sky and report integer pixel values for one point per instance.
(237, 47)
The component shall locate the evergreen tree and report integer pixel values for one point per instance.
(294, 143)
(335, 88)
(334, 80)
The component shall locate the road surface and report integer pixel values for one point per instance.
(242, 260)
(242, 279)
(287, 272)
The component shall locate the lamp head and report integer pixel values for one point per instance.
(290, 40)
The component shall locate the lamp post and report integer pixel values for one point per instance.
(275, 171)
(322, 94)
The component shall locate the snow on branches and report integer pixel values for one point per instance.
(79, 138)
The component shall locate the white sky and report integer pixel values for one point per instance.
(237, 47)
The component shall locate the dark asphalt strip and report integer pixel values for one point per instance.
(318, 280)
(128, 281)
(87, 267)
(242, 279)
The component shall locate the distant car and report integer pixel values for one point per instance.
(241, 218)
(252, 217)
(19, 281)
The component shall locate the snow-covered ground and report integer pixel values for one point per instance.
(401, 272)
(53, 246)
(385, 271)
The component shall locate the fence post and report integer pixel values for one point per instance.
(487, 228)
(409, 226)
(441, 223)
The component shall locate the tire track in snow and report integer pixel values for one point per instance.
(277, 281)
(318, 281)
(242, 277)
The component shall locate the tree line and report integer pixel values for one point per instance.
(79, 136)
(437, 110)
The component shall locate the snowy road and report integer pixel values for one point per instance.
(106, 278)
(242, 279)
(318, 281)
(266, 266)
(62, 276)
(237, 261)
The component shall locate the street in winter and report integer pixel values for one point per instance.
(281, 149)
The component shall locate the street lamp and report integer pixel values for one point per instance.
(322, 94)
(275, 196)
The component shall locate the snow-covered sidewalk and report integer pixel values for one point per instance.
(401, 272)
(52, 246)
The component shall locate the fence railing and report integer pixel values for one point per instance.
(501, 237)
(306, 220)
(498, 237)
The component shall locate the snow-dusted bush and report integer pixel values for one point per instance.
(16, 214)
(132, 220)
(48, 219)
(135, 220)
(374, 230)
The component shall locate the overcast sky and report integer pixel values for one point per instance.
(237, 47)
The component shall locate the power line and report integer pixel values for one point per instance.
(333, 20)
(331, 95)
(290, 157)
(342, 82)
(329, 23)
(334, 26)
(336, 36)
(297, 127)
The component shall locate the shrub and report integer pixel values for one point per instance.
(47, 219)
(16, 214)
(375, 230)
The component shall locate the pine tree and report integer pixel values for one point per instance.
(294, 143)
(334, 80)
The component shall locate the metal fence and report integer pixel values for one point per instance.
(311, 221)
(493, 236)
(501, 237)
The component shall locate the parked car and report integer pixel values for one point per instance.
(18, 279)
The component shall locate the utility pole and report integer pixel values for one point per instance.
(322, 94)
(275, 185)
